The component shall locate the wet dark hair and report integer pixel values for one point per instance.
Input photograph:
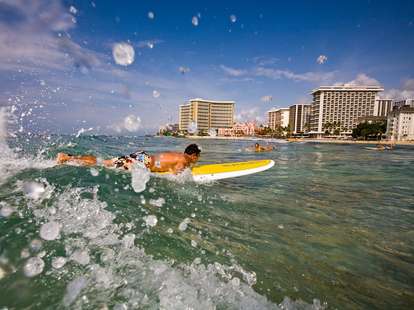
(192, 149)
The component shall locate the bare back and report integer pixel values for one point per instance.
(169, 161)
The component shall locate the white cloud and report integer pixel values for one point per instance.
(321, 59)
(277, 74)
(408, 84)
(34, 37)
(363, 80)
(265, 61)
(232, 71)
(397, 94)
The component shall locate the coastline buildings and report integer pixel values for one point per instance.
(206, 114)
(343, 105)
(278, 118)
(299, 117)
(238, 129)
(168, 129)
(400, 123)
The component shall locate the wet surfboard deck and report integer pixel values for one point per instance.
(211, 172)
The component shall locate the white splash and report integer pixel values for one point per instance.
(151, 220)
(58, 262)
(6, 210)
(233, 18)
(94, 172)
(81, 257)
(83, 130)
(194, 21)
(184, 224)
(151, 15)
(33, 267)
(123, 53)
(34, 190)
(157, 202)
(212, 132)
(73, 289)
(140, 175)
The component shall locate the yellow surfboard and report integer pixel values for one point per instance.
(205, 173)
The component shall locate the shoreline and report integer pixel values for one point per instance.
(307, 140)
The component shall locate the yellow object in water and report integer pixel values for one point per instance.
(212, 172)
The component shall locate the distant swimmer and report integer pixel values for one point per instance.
(173, 162)
(259, 148)
(382, 147)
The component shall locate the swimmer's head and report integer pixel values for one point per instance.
(193, 150)
(256, 144)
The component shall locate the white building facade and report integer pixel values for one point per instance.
(400, 124)
(343, 105)
(278, 118)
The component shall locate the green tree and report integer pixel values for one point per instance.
(368, 130)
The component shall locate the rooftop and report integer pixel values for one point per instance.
(347, 88)
(278, 109)
(211, 101)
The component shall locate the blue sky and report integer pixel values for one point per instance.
(58, 72)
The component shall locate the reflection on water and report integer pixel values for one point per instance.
(328, 222)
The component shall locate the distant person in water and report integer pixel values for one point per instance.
(163, 162)
(259, 148)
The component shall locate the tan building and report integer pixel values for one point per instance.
(343, 105)
(299, 116)
(206, 114)
(278, 118)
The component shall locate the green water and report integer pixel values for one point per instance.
(328, 222)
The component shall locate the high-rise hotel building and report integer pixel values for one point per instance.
(383, 107)
(206, 114)
(299, 116)
(343, 104)
(278, 118)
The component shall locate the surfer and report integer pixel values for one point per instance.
(259, 148)
(163, 162)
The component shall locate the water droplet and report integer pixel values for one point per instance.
(192, 127)
(58, 262)
(73, 10)
(151, 15)
(151, 220)
(194, 21)
(123, 53)
(50, 230)
(233, 18)
(184, 224)
(33, 266)
(155, 94)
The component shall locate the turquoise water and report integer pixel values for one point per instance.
(328, 225)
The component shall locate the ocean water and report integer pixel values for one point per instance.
(329, 226)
